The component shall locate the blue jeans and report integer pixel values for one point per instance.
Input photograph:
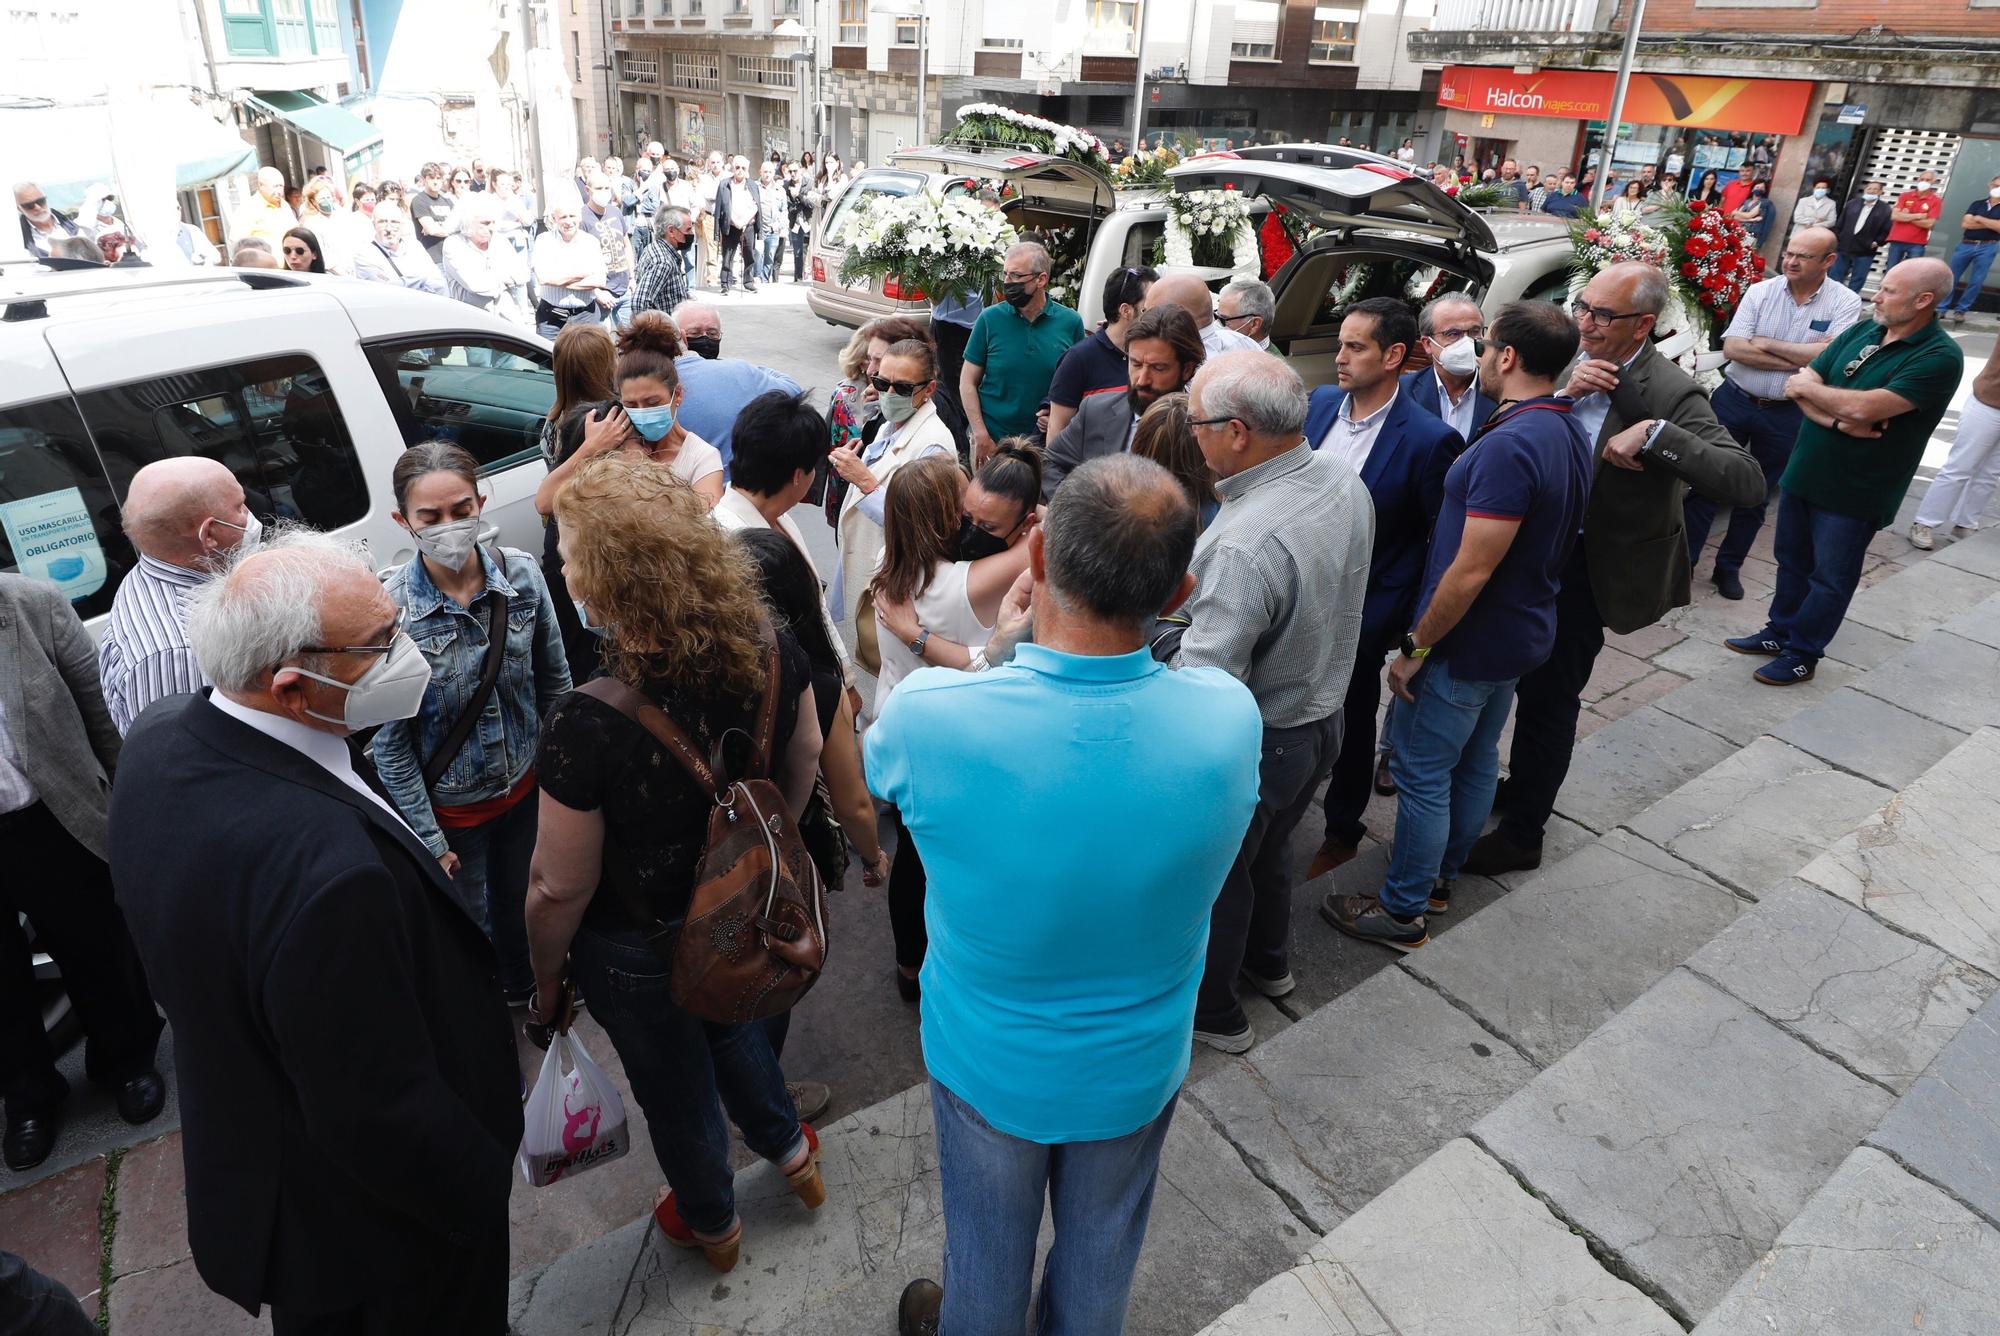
(493, 877)
(1100, 1193)
(1969, 263)
(1900, 251)
(1445, 756)
(685, 1072)
(1851, 269)
(767, 255)
(1768, 434)
(1819, 564)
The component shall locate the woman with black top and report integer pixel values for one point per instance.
(623, 827)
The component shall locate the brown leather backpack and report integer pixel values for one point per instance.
(754, 940)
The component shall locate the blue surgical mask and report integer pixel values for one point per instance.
(652, 423)
(1819, 192)
(583, 618)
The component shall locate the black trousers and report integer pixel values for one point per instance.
(1353, 775)
(1547, 701)
(801, 239)
(739, 242)
(65, 890)
(465, 1292)
(907, 884)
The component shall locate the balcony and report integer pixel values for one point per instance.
(1519, 16)
(1520, 32)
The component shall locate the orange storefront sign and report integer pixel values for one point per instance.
(1697, 101)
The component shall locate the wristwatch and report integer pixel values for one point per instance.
(979, 663)
(1652, 434)
(1411, 650)
(923, 638)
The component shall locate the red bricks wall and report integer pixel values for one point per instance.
(1829, 18)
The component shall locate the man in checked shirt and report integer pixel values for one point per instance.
(662, 281)
(185, 515)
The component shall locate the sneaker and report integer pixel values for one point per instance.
(1758, 642)
(1787, 670)
(917, 1314)
(1920, 537)
(1441, 896)
(1493, 854)
(1362, 917)
(1960, 531)
(1729, 585)
(810, 1098)
(1226, 1041)
(1333, 852)
(1283, 986)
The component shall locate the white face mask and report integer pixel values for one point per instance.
(1993, 193)
(1458, 358)
(450, 544)
(1927, 185)
(393, 689)
(253, 532)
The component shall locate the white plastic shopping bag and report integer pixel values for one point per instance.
(575, 1119)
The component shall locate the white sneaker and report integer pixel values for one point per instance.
(1920, 537)
(1238, 1042)
(1960, 531)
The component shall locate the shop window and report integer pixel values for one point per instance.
(58, 518)
(487, 397)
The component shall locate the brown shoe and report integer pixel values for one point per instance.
(1385, 783)
(805, 1181)
(1333, 851)
(1362, 917)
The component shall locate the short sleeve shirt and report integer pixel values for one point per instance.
(438, 209)
(1532, 464)
(1915, 201)
(1866, 477)
(1094, 364)
(1019, 357)
(1985, 208)
(592, 758)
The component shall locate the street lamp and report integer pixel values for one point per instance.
(915, 11)
(802, 57)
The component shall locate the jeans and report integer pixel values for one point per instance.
(680, 1067)
(1969, 263)
(1100, 1193)
(800, 241)
(493, 877)
(1768, 434)
(1250, 927)
(767, 255)
(1353, 775)
(1900, 251)
(1851, 269)
(1446, 763)
(1959, 493)
(1549, 697)
(1819, 564)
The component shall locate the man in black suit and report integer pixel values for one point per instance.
(1449, 387)
(349, 1093)
(1162, 352)
(1860, 230)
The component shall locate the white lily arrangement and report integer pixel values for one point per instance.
(1211, 228)
(931, 246)
(990, 122)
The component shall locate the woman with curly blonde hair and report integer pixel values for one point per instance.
(623, 826)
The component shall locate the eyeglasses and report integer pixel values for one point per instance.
(1444, 336)
(903, 387)
(1603, 315)
(1209, 422)
(1866, 353)
(1790, 255)
(395, 630)
(1009, 277)
(29, 206)
(1232, 319)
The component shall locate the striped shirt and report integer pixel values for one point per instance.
(145, 653)
(1768, 309)
(1279, 580)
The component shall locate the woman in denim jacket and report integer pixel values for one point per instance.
(479, 818)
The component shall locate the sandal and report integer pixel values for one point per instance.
(806, 1181)
(721, 1253)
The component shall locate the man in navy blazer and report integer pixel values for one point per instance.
(1437, 389)
(1401, 453)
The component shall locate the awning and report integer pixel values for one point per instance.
(334, 126)
(64, 149)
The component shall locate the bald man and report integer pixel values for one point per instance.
(267, 217)
(185, 516)
(716, 387)
(1871, 400)
(1192, 295)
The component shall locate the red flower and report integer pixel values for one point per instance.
(1690, 269)
(1592, 234)
(1696, 207)
(1274, 244)
(1698, 247)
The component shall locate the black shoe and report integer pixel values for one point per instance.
(1493, 854)
(31, 1135)
(1385, 783)
(1728, 585)
(1362, 916)
(907, 988)
(917, 1314)
(141, 1098)
(1441, 898)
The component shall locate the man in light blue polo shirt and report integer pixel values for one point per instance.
(1076, 811)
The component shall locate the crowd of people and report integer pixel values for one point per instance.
(1133, 590)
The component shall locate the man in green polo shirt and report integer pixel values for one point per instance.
(1871, 400)
(1013, 351)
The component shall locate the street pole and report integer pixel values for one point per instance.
(1139, 84)
(1617, 103)
(923, 59)
(530, 111)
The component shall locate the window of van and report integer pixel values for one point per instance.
(58, 518)
(487, 396)
(882, 184)
(273, 422)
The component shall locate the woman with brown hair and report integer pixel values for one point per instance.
(585, 359)
(1165, 435)
(623, 827)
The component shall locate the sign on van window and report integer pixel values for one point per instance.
(53, 540)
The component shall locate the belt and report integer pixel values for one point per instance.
(1761, 403)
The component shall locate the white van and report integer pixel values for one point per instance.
(307, 387)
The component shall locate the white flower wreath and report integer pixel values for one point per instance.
(1217, 213)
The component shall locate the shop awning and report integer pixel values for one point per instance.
(336, 127)
(64, 149)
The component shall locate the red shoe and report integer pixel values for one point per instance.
(805, 1180)
(721, 1253)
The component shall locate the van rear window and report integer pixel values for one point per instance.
(58, 518)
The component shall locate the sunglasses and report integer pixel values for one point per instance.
(903, 387)
(291, 251)
(1857, 363)
(30, 206)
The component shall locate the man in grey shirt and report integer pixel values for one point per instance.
(1280, 577)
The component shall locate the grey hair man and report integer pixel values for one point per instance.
(1449, 387)
(394, 256)
(661, 282)
(715, 388)
(186, 516)
(1281, 575)
(1012, 352)
(1192, 295)
(1086, 1046)
(266, 216)
(1247, 306)
(41, 226)
(329, 993)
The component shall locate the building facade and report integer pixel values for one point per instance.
(706, 75)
